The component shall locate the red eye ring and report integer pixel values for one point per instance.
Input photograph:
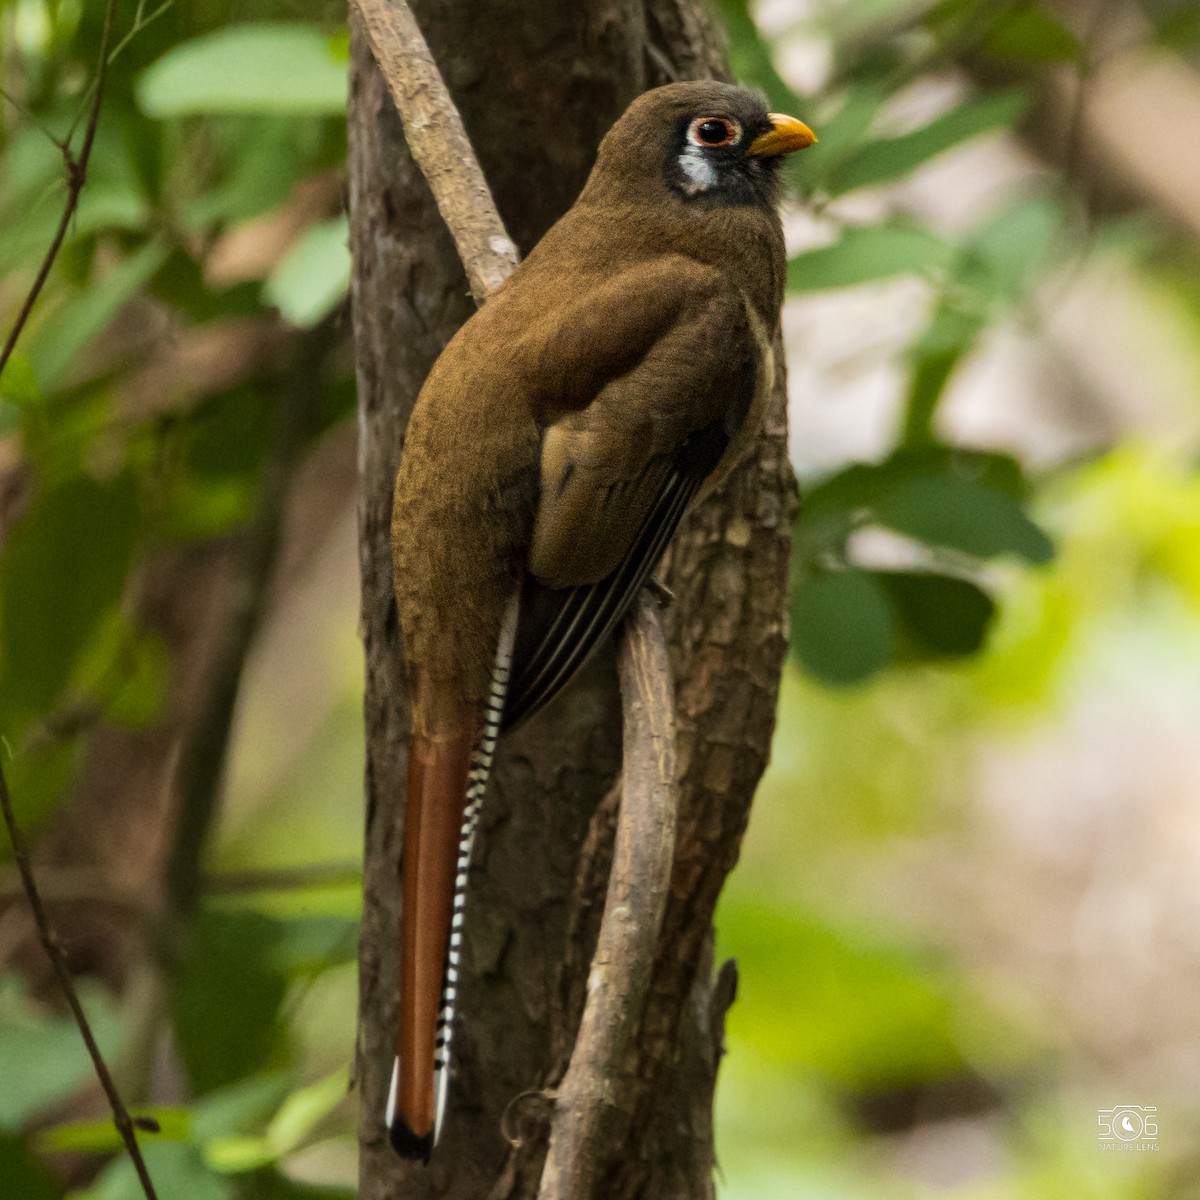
(711, 133)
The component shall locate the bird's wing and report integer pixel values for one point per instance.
(560, 627)
(618, 474)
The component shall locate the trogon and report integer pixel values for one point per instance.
(610, 384)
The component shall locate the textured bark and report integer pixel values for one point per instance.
(591, 1107)
(438, 143)
(537, 85)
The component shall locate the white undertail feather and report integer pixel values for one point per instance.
(477, 781)
(390, 1115)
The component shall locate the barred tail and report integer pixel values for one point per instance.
(446, 786)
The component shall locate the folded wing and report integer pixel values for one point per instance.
(617, 476)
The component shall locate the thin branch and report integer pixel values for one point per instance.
(72, 885)
(439, 144)
(594, 1097)
(121, 1119)
(77, 168)
(140, 21)
(282, 879)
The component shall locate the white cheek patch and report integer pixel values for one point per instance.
(698, 171)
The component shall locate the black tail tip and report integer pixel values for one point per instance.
(408, 1144)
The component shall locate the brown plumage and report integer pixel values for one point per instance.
(618, 375)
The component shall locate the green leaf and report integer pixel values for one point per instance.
(44, 1060)
(239, 1153)
(228, 438)
(33, 168)
(314, 275)
(947, 339)
(260, 159)
(271, 1185)
(111, 208)
(241, 1106)
(22, 1176)
(229, 955)
(939, 616)
(314, 943)
(255, 68)
(70, 328)
(18, 384)
(126, 671)
(1030, 35)
(950, 330)
(135, 692)
(842, 625)
(890, 158)
(931, 373)
(858, 1005)
(102, 1136)
(842, 132)
(859, 487)
(964, 515)
(178, 1172)
(751, 56)
(63, 569)
(297, 1117)
(1179, 27)
(303, 1110)
(1017, 246)
(198, 509)
(114, 197)
(867, 253)
(38, 777)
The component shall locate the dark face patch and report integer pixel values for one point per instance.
(707, 164)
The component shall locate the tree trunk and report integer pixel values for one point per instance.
(538, 82)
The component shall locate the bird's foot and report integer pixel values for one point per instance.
(659, 590)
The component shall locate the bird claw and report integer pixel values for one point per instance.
(659, 590)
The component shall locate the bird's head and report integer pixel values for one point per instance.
(710, 144)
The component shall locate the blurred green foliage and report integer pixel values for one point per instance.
(851, 1032)
(959, 509)
(210, 232)
(113, 477)
(141, 405)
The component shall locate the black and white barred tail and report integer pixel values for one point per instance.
(482, 757)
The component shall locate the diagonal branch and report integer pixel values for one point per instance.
(77, 167)
(593, 1105)
(121, 1119)
(439, 144)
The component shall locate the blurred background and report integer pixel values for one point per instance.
(967, 914)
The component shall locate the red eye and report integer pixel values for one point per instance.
(713, 132)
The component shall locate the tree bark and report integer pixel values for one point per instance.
(538, 84)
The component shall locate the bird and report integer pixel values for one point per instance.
(611, 382)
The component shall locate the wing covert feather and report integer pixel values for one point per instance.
(559, 628)
(619, 470)
(604, 466)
